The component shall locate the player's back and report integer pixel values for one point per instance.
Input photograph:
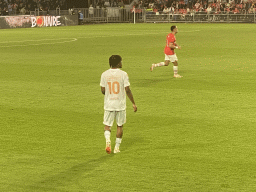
(115, 81)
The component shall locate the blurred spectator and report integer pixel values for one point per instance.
(171, 10)
(209, 10)
(10, 9)
(80, 17)
(121, 4)
(91, 11)
(165, 10)
(23, 11)
(197, 5)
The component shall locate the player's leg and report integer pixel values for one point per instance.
(107, 132)
(165, 63)
(108, 122)
(119, 132)
(174, 60)
(119, 135)
(120, 120)
(175, 70)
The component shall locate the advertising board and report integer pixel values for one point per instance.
(27, 21)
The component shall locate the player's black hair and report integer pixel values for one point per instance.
(114, 60)
(173, 27)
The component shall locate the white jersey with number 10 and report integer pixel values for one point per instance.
(114, 81)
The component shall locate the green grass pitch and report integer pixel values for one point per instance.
(191, 134)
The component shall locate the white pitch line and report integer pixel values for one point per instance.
(51, 43)
(189, 31)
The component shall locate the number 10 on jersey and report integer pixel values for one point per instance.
(114, 87)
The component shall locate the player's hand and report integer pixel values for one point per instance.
(179, 47)
(134, 107)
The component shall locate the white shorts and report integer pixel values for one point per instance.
(171, 58)
(110, 116)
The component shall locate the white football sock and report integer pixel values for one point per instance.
(175, 70)
(159, 64)
(107, 135)
(118, 142)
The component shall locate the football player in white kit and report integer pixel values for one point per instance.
(115, 85)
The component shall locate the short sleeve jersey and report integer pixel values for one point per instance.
(169, 39)
(114, 81)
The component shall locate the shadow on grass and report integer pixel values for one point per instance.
(195, 145)
(70, 176)
(149, 82)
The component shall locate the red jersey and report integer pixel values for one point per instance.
(170, 39)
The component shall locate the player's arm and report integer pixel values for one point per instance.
(129, 94)
(173, 45)
(103, 90)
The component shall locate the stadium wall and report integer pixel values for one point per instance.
(28, 21)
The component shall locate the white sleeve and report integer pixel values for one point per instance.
(126, 80)
(102, 81)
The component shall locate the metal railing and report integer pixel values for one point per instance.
(201, 17)
(109, 15)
